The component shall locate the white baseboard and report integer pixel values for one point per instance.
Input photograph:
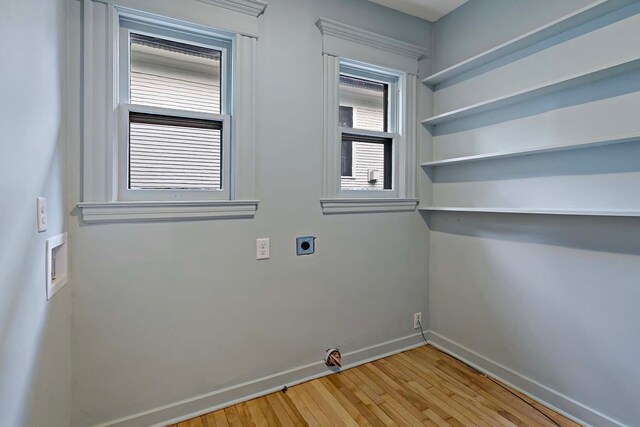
(557, 401)
(206, 403)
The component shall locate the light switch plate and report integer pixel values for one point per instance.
(41, 204)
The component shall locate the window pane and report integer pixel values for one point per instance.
(174, 153)
(371, 163)
(347, 158)
(174, 75)
(346, 117)
(368, 102)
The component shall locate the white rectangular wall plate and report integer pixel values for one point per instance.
(57, 265)
(262, 248)
(41, 204)
(417, 320)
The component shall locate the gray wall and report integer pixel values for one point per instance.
(479, 25)
(167, 311)
(554, 299)
(34, 334)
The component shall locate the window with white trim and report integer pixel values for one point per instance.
(174, 113)
(370, 100)
(163, 136)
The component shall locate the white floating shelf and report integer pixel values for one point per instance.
(536, 91)
(566, 212)
(572, 20)
(538, 150)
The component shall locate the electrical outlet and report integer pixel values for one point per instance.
(262, 248)
(417, 320)
(41, 203)
(305, 245)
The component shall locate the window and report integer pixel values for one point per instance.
(370, 126)
(168, 111)
(367, 120)
(175, 115)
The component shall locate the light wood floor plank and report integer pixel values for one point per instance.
(419, 387)
(301, 406)
(256, 413)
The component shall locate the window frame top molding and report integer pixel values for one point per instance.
(347, 41)
(253, 8)
(237, 17)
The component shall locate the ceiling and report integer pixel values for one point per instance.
(431, 10)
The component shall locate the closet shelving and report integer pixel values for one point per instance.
(566, 212)
(572, 20)
(589, 13)
(589, 76)
(536, 150)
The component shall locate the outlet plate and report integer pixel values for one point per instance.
(41, 204)
(417, 320)
(262, 248)
(305, 245)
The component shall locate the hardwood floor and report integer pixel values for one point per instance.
(418, 387)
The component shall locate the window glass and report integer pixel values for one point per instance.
(174, 153)
(347, 158)
(346, 117)
(176, 75)
(367, 101)
(371, 164)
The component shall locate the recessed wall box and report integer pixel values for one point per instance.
(305, 245)
(57, 264)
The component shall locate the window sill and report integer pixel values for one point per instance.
(346, 206)
(102, 212)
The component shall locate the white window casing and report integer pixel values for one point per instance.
(104, 196)
(349, 46)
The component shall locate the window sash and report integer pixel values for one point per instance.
(391, 162)
(173, 117)
(133, 23)
(387, 142)
(392, 124)
(392, 93)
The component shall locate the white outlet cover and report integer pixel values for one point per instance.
(57, 265)
(262, 248)
(417, 320)
(41, 204)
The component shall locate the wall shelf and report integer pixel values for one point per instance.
(536, 91)
(538, 150)
(566, 212)
(572, 20)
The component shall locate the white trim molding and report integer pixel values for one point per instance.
(337, 201)
(347, 41)
(553, 399)
(165, 211)
(102, 197)
(342, 206)
(253, 8)
(203, 404)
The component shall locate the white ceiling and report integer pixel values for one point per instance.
(431, 10)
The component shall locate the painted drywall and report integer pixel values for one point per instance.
(170, 310)
(553, 299)
(479, 25)
(35, 342)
